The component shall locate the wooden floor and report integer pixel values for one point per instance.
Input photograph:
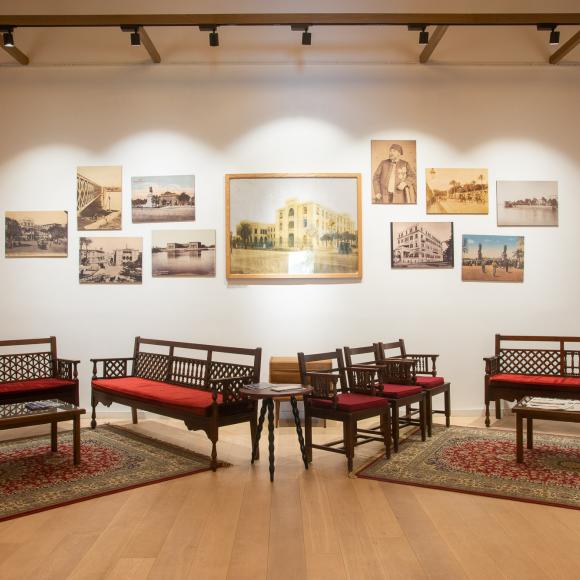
(319, 524)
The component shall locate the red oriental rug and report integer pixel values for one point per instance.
(113, 459)
(483, 462)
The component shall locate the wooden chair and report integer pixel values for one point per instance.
(423, 374)
(332, 399)
(388, 378)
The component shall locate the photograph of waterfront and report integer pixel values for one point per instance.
(527, 203)
(457, 191)
(99, 197)
(421, 245)
(492, 258)
(111, 260)
(293, 226)
(36, 234)
(183, 253)
(168, 198)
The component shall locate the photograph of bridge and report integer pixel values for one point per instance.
(36, 234)
(168, 198)
(99, 197)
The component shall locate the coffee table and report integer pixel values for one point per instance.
(531, 408)
(19, 415)
(268, 393)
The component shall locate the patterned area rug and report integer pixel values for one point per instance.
(113, 459)
(483, 462)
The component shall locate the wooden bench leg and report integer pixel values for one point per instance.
(429, 412)
(395, 424)
(134, 415)
(498, 408)
(487, 422)
(93, 413)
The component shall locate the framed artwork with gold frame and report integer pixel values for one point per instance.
(293, 225)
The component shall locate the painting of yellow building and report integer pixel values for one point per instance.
(293, 226)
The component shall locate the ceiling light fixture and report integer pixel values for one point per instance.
(8, 38)
(554, 34)
(306, 35)
(422, 30)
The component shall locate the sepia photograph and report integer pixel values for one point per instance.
(183, 253)
(457, 191)
(527, 203)
(394, 169)
(492, 258)
(293, 226)
(36, 234)
(421, 245)
(112, 260)
(169, 198)
(99, 197)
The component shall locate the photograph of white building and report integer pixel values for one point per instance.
(422, 245)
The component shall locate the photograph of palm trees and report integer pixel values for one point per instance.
(111, 260)
(421, 245)
(527, 203)
(99, 197)
(457, 191)
(492, 258)
(168, 198)
(36, 234)
(293, 226)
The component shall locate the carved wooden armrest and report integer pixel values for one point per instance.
(67, 369)
(491, 365)
(112, 367)
(229, 388)
(426, 363)
(399, 371)
(324, 385)
(364, 378)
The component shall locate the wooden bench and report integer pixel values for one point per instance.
(35, 376)
(513, 373)
(194, 387)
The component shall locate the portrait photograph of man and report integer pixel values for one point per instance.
(394, 166)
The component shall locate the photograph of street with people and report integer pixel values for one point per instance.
(99, 197)
(112, 260)
(285, 226)
(457, 191)
(492, 258)
(527, 203)
(168, 198)
(421, 245)
(36, 234)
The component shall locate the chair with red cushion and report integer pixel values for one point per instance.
(423, 373)
(388, 386)
(332, 399)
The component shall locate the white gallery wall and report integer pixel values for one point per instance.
(519, 122)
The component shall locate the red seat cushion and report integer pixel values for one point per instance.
(352, 402)
(429, 382)
(400, 391)
(194, 400)
(544, 381)
(35, 385)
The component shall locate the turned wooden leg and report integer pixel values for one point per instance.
(93, 414)
(253, 430)
(271, 437)
(294, 406)
(487, 422)
(256, 441)
(277, 413)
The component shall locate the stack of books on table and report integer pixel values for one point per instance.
(558, 404)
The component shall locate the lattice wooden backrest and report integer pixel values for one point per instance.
(26, 366)
(152, 366)
(224, 370)
(529, 361)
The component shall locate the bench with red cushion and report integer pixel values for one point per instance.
(531, 369)
(199, 389)
(36, 376)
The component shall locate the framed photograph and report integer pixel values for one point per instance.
(457, 191)
(492, 258)
(183, 253)
(527, 203)
(281, 225)
(111, 260)
(421, 245)
(169, 198)
(99, 197)
(36, 234)
(394, 168)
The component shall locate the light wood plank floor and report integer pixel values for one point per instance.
(318, 524)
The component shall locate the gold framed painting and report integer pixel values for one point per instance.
(293, 225)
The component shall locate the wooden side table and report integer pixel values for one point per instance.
(268, 397)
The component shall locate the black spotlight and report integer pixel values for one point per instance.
(424, 36)
(135, 38)
(214, 38)
(8, 39)
(554, 36)
(306, 38)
